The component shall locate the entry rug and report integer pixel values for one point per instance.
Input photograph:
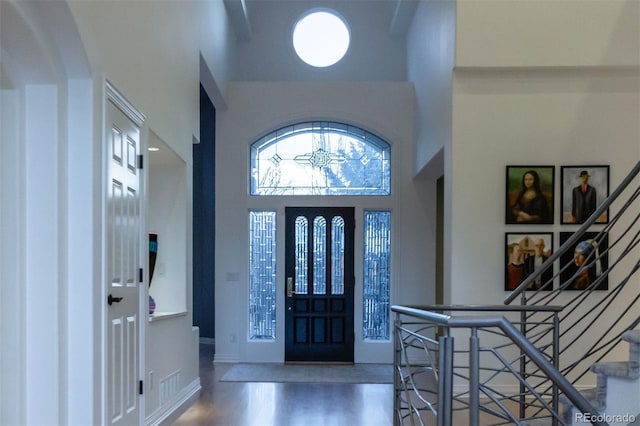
(303, 373)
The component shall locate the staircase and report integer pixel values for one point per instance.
(613, 316)
(451, 367)
(617, 393)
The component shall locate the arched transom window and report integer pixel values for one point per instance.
(320, 158)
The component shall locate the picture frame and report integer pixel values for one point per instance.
(524, 254)
(580, 252)
(529, 195)
(578, 202)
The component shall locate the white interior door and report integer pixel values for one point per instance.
(123, 263)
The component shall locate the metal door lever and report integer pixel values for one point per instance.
(290, 291)
(111, 300)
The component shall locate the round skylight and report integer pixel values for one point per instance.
(321, 38)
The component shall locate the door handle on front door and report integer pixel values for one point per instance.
(290, 291)
(111, 300)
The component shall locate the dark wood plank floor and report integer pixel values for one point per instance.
(282, 404)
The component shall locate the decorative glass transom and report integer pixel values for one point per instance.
(320, 158)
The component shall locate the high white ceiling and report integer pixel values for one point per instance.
(265, 53)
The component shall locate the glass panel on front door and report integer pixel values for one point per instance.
(301, 253)
(319, 255)
(337, 255)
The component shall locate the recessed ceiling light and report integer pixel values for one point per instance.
(321, 37)
(153, 149)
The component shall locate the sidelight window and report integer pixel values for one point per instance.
(377, 275)
(262, 275)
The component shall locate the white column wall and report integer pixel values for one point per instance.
(430, 46)
(42, 255)
(12, 306)
(82, 295)
(46, 131)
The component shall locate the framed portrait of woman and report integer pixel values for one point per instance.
(583, 190)
(529, 195)
(584, 266)
(524, 255)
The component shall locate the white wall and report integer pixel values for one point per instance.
(430, 59)
(430, 56)
(540, 84)
(172, 375)
(150, 52)
(167, 216)
(254, 109)
(562, 33)
(523, 118)
(217, 50)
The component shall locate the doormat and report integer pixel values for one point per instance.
(297, 373)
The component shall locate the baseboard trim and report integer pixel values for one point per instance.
(224, 359)
(174, 408)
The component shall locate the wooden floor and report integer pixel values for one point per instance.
(281, 404)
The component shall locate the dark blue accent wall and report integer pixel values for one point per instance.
(204, 220)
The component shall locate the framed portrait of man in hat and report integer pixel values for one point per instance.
(583, 189)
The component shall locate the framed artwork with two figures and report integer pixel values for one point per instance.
(530, 194)
(524, 254)
(583, 189)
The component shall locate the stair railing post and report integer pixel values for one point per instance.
(445, 385)
(555, 403)
(397, 368)
(474, 378)
(523, 364)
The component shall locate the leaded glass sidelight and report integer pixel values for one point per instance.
(262, 275)
(377, 274)
(320, 158)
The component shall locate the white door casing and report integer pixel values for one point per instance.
(124, 227)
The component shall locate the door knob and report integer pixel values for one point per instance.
(111, 300)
